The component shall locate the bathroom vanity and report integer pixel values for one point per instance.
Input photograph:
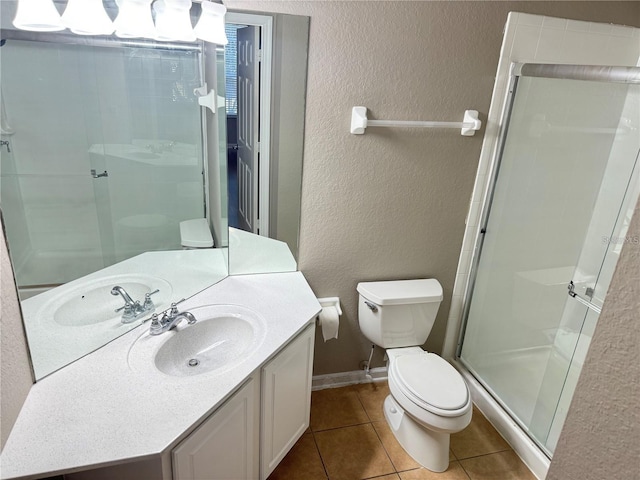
(122, 413)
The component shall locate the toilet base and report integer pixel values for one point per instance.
(427, 447)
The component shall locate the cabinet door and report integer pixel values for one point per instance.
(224, 447)
(286, 400)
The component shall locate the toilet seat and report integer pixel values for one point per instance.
(431, 383)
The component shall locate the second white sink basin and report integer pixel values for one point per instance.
(223, 337)
(92, 303)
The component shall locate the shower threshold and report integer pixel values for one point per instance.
(529, 452)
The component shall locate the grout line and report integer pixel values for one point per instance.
(382, 476)
(326, 472)
(451, 451)
(395, 469)
(362, 405)
(465, 471)
(483, 454)
(342, 426)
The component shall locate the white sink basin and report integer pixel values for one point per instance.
(92, 303)
(223, 337)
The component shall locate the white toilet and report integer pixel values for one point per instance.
(195, 233)
(429, 399)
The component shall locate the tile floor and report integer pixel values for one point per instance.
(349, 440)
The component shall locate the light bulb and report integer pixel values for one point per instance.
(173, 20)
(87, 17)
(37, 16)
(134, 19)
(210, 26)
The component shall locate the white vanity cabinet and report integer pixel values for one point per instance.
(286, 400)
(237, 423)
(255, 428)
(225, 446)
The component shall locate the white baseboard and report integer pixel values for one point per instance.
(342, 379)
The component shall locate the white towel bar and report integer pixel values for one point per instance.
(359, 122)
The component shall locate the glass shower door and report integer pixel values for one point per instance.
(155, 177)
(606, 234)
(565, 182)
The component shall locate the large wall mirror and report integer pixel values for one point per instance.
(113, 174)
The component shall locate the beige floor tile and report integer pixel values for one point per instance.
(336, 407)
(497, 466)
(454, 472)
(372, 396)
(393, 476)
(399, 457)
(479, 438)
(302, 462)
(352, 453)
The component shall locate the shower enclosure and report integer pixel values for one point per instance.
(562, 195)
(102, 153)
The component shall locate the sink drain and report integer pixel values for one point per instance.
(194, 362)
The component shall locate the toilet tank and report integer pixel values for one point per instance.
(398, 313)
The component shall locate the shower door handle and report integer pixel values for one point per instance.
(573, 294)
(99, 175)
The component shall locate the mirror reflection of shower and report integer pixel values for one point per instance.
(127, 114)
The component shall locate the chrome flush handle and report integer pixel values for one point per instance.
(372, 306)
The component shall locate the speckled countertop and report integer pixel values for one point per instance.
(98, 411)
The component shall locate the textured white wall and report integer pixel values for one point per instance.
(601, 436)
(392, 203)
(15, 370)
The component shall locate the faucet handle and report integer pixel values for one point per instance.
(148, 303)
(156, 327)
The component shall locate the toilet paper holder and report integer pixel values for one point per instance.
(329, 317)
(329, 302)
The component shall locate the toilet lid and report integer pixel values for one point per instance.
(429, 380)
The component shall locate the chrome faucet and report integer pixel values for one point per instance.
(132, 309)
(169, 320)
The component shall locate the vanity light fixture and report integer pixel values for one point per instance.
(87, 17)
(210, 26)
(134, 19)
(173, 20)
(37, 16)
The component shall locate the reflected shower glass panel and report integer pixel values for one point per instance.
(106, 155)
(567, 179)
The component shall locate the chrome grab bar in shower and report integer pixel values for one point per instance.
(573, 294)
